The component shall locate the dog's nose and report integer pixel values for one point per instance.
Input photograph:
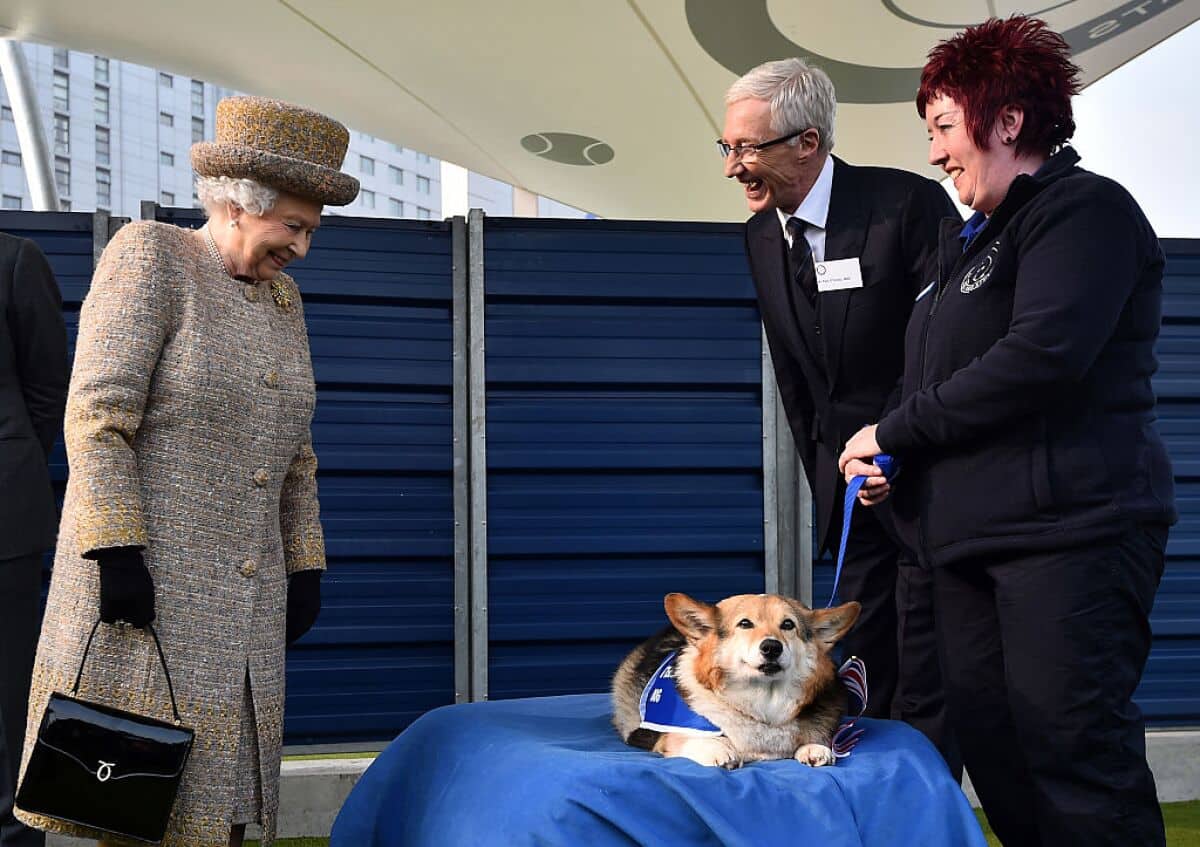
(771, 649)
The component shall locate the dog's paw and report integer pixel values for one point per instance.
(815, 755)
(713, 752)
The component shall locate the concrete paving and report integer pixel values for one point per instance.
(312, 791)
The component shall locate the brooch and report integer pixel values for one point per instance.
(280, 294)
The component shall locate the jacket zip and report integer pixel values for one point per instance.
(943, 284)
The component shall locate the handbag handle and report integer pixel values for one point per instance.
(161, 658)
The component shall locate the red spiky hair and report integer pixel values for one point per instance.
(1019, 62)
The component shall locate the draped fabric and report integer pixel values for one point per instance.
(552, 771)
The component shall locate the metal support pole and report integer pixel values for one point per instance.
(101, 229)
(478, 457)
(801, 515)
(787, 501)
(770, 438)
(35, 153)
(462, 461)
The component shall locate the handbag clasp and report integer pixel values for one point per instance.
(104, 772)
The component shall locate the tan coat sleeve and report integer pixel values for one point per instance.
(299, 510)
(123, 325)
(300, 514)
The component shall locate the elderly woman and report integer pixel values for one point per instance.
(192, 498)
(1033, 475)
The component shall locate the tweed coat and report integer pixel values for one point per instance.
(187, 431)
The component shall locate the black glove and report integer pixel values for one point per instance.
(303, 603)
(126, 589)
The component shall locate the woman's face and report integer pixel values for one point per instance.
(981, 177)
(261, 246)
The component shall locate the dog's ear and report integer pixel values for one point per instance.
(692, 618)
(830, 625)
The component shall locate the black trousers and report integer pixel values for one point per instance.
(20, 596)
(1041, 655)
(895, 634)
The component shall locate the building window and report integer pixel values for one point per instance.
(197, 129)
(10, 157)
(166, 80)
(62, 175)
(101, 104)
(368, 138)
(368, 198)
(103, 189)
(397, 147)
(423, 184)
(166, 119)
(101, 69)
(166, 198)
(423, 213)
(165, 158)
(11, 202)
(62, 135)
(396, 175)
(367, 165)
(64, 205)
(103, 150)
(62, 58)
(423, 157)
(395, 207)
(62, 92)
(197, 97)
(7, 115)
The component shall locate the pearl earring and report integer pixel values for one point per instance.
(233, 224)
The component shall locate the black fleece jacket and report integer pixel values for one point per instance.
(1027, 414)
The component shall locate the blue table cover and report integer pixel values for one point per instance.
(551, 771)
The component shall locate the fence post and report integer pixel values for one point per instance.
(478, 456)
(787, 502)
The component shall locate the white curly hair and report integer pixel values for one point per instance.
(216, 191)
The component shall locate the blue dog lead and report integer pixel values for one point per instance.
(889, 466)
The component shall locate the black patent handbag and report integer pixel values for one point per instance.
(109, 770)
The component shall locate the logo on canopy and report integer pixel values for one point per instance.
(567, 148)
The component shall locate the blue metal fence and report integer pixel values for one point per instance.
(624, 439)
(624, 454)
(1170, 689)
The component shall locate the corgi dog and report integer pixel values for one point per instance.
(753, 678)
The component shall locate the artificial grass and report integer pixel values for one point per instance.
(1182, 820)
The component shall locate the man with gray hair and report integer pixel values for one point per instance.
(839, 254)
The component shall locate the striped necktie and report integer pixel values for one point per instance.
(800, 256)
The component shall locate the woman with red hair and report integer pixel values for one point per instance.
(1033, 476)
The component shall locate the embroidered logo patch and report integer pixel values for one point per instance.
(978, 275)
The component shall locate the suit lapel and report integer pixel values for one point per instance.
(845, 234)
(768, 244)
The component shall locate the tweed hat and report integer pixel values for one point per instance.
(287, 147)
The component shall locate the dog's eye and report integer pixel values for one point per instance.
(745, 623)
(788, 624)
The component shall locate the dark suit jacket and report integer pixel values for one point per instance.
(889, 219)
(33, 393)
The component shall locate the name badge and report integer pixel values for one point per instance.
(838, 275)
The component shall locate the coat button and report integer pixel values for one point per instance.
(248, 568)
(271, 378)
(261, 476)
(251, 292)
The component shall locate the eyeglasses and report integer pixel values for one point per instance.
(748, 152)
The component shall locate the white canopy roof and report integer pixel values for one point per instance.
(608, 105)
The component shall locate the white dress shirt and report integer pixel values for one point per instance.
(814, 211)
